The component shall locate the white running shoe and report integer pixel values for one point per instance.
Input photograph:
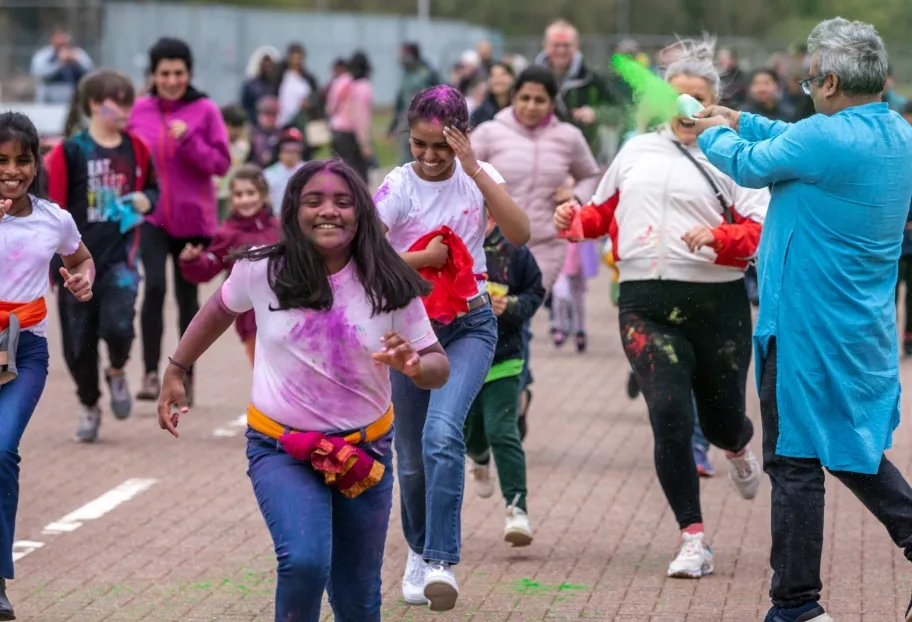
(694, 560)
(440, 587)
(518, 529)
(744, 473)
(413, 579)
(481, 478)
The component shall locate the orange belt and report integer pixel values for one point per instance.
(273, 429)
(28, 313)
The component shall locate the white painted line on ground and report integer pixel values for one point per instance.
(232, 429)
(94, 510)
(90, 511)
(21, 548)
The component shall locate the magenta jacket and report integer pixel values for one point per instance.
(185, 167)
(258, 230)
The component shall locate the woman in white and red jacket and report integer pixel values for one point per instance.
(683, 234)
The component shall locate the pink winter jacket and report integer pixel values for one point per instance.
(535, 162)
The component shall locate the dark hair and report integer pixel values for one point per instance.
(359, 66)
(297, 272)
(234, 116)
(74, 119)
(295, 48)
(169, 48)
(537, 75)
(412, 49)
(765, 71)
(105, 84)
(443, 103)
(253, 174)
(503, 65)
(15, 126)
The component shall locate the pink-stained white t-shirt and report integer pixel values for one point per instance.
(27, 246)
(313, 370)
(412, 207)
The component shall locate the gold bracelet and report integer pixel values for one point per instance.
(476, 173)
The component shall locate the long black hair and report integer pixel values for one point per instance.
(297, 272)
(15, 126)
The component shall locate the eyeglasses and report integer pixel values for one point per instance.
(806, 83)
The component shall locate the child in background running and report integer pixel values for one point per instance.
(104, 177)
(291, 150)
(251, 223)
(236, 125)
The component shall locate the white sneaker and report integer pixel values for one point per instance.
(694, 560)
(744, 473)
(440, 587)
(481, 478)
(413, 579)
(518, 530)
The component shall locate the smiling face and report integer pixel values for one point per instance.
(171, 78)
(18, 168)
(246, 198)
(434, 160)
(499, 81)
(532, 104)
(326, 215)
(699, 89)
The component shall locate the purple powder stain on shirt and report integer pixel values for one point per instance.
(382, 192)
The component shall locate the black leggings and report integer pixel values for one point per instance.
(156, 245)
(686, 339)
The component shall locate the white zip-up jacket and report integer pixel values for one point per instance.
(653, 194)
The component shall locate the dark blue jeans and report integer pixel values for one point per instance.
(798, 501)
(430, 446)
(322, 539)
(18, 400)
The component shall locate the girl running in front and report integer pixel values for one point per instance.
(436, 210)
(335, 308)
(682, 235)
(32, 232)
(251, 224)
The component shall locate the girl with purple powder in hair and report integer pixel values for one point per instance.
(444, 189)
(336, 308)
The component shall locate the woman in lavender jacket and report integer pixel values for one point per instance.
(189, 145)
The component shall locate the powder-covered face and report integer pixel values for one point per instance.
(434, 158)
(17, 170)
(699, 89)
(326, 214)
(112, 114)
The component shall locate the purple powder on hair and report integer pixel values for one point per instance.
(442, 105)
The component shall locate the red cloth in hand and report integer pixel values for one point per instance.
(454, 283)
(345, 466)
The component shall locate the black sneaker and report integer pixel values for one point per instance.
(810, 612)
(633, 387)
(6, 609)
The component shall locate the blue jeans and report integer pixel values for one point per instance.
(526, 376)
(18, 400)
(699, 439)
(430, 446)
(322, 539)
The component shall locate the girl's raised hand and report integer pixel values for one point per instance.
(462, 149)
(399, 354)
(5, 206)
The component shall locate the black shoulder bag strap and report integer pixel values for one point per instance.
(726, 209)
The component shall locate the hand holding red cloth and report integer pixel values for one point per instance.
(454, 283)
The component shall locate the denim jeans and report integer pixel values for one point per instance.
(699, 439)
(18, 399)
(430, 447)
(526, 377)
(798, 501)
(322, 539)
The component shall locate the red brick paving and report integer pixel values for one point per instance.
(194, 547)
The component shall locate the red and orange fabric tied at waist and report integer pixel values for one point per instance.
(14, 317)
(342, 463)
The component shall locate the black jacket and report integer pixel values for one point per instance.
(514, 267)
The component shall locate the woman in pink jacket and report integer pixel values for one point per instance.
(536, 153)
(189, 145)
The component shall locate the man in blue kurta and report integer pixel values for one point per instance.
(826, 341)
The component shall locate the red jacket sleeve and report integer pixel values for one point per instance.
(598, 219)
(736, 243)
(56, 166)
(211, 262)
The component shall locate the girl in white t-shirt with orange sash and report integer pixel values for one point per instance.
(336, 308)
(32, 231)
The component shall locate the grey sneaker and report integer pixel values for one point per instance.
(150, 388)
(121, 400)
(89, 422)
